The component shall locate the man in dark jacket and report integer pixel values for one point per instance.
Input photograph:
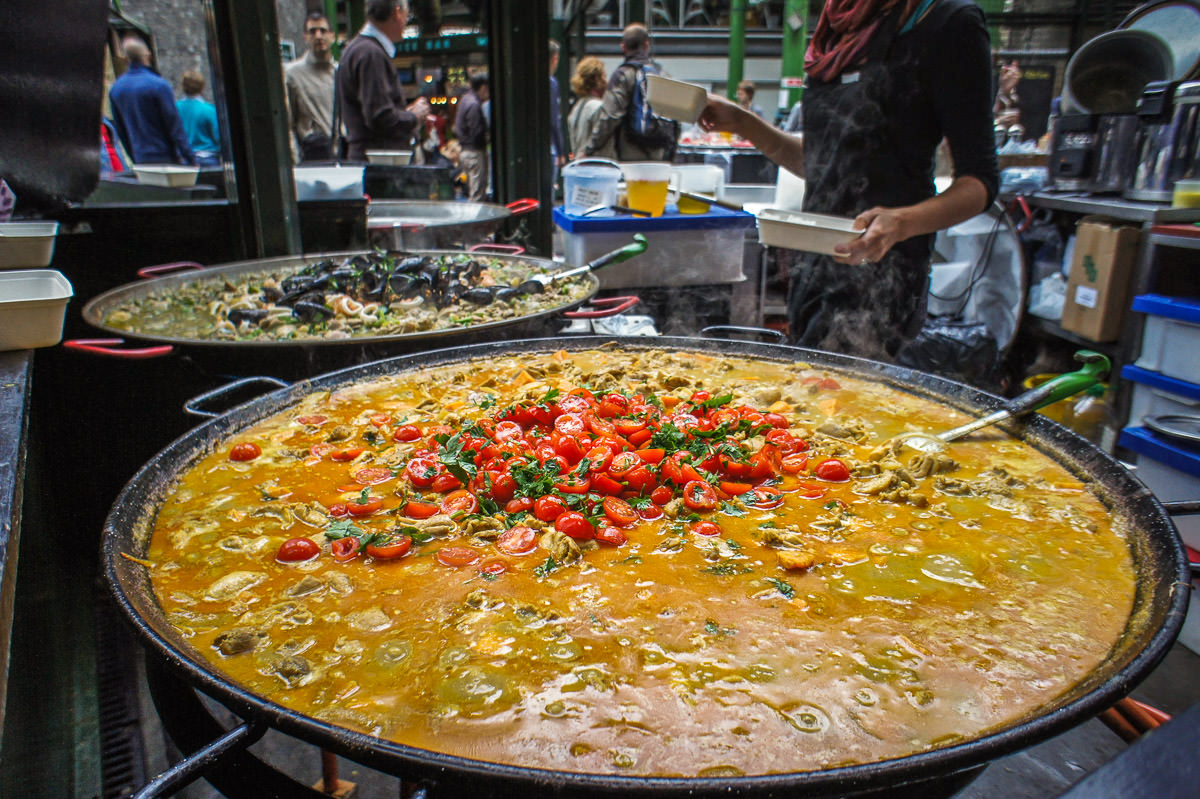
(471, 128)
(635, 44)
(144, 111)
(371, 97)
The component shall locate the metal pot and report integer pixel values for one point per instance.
(1159, 606)
(395, 225)
(303, 358)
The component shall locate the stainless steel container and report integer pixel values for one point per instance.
(1168, 144)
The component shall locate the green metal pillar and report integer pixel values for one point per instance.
(794, 45)
(247, 35)
(637, 12)
(519, 66)
(357, 11)
(991, 11)
(737, 46)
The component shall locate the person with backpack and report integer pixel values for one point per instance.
(625, 120)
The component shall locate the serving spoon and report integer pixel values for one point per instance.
(535, 284)
(1095, 368)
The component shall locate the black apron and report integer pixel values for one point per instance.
(851, 164)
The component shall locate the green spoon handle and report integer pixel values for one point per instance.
(1095, 368)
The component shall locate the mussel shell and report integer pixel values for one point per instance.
(252, 315)
(507, 293)
(479, 296)
(308, 311)
(531, 287)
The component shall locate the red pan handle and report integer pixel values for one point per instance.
(523, 205)
(487, 246)
(98, 346)
(619, 305)
(159, 270)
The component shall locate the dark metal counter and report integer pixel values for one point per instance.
(15, 370)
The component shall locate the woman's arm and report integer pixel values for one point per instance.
(782, 148)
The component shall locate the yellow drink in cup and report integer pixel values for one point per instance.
(690, 206)
(648, 195)
(646, 184)
(1187, 193)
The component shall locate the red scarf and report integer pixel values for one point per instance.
(843, 33)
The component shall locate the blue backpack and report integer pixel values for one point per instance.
(642, 126)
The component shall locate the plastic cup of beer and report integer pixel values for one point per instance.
(646, 184)
(708, 179)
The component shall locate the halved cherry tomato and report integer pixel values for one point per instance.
(652, 455)
(573, 485)
(601, 426)
(380, 419)
(810, 491)
(504, 487)
(628, 427)
(619, 511)
(832, 471)
(445, 482)
(650, 512)
(416, 509)
(549, 507)
(568, 446)
(344, 549)
(396, 547)
(421, 471)
(662, 495)
(765, 497)
(406, 432)
(777, 420)
(508, 430)
(706, 528)
(372, 475)
(518, 505)
(699, 495)
(457, 556)
(623, 463)
(599, 458)
(460, 501)
(611, 536)
(348, 454)
(519, 540)
(320, 450)
(734, 489)
(295, 550)
(337, 509)
(640, 479)
(575, 525)
(312, 419)
(364, 508)
(733, 469)
(246, 451)
(603, 484)
(783, 439)
(794, 463)
(571, 424)
(764, 463)
(640, 437)
(493, 568)
(574, 403)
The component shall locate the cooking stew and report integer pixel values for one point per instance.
(361, 295)
(641, 562)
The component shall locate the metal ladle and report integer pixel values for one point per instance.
(1095, 368)
(538, 283)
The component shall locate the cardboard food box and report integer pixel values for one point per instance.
(1098, 284)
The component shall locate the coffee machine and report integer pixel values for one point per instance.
(1092, 152)
(1168, 142)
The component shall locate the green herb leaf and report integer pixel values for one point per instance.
(669, 437)
(783, 587)
(364, 496)
(729, 509)
(341, 529)
(485, 401)
(546, 568)
(640, 503)
(551, 396)
(717, 402)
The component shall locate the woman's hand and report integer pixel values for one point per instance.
(722, 115)
(884, 227)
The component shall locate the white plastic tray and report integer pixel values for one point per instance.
(167, 175)
(675, 99)
(390, 157)
(798, 230)
(33, 303)
(27, 244)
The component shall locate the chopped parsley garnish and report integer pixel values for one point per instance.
(459, 462)
(717, 402)
(485, 401)
(640, 503)
(729, 509)
(669, 437)
(546, 568)
(782, 587)
(551, 396)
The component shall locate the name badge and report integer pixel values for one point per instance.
(850, 77)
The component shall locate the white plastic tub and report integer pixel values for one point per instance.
(675, 99)
(167, 175)
(797, 230)
(1157, 395)
(1171, 336)
(27, 244)
(390, 157)
(33, 303)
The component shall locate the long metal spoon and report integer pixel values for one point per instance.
(538, 283)
(1095, 368)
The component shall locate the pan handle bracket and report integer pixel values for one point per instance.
(195, 406)
(158, 270)
(108, 347)
(617, 305)
(523, 205)
(194, 765)
(723, 331)
(487, 246)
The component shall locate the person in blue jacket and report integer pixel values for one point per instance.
(144, 111)
(199, 120)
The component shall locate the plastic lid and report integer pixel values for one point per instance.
(1181, 308)
(1160, 448)
(1160, 381)
(717, 217)
(1188, 92)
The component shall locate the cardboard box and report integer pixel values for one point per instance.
(1098, 284)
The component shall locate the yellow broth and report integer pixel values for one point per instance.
(926, 618)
